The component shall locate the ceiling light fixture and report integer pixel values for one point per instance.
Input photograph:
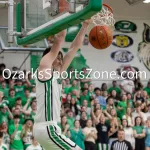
(146, 1)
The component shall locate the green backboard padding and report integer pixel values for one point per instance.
(72, 32)
(93, 7)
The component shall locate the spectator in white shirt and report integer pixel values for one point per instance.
(139, 113)
(148, 112)
(2, 145)
(127, 85)
(35, 145)
(33, 92)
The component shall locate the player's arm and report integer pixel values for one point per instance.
(75, 46)
(47, 60)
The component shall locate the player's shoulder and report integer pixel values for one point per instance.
(43, 75)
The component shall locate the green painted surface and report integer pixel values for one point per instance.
(93, 7)
(78, 62)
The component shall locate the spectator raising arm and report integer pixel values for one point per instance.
(9, 112)
(24, 110)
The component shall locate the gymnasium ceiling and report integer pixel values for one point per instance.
(122, 9)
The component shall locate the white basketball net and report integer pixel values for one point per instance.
(105, 17)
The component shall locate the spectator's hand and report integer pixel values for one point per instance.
(77, 93)
(92, 103)
(21, 110)
(91, 133)
(105, 111)
(107, 108)
(120, 108)
(6, 107)
(135, 94)
(28, 101)
(67, 127)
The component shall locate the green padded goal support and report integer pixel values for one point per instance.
(91, 9)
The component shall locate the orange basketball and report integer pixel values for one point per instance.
(101, 37)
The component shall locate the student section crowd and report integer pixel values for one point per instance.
(95, 118)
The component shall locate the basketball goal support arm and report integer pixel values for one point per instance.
(91, 9)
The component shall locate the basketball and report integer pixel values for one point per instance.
(101, 37)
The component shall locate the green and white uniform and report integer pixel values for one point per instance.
(46, 130)
(27, 140)
(3, 147)
(48, 100)
(32, 147)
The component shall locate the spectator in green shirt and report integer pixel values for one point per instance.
(4, 89)
(70, 119)
(73, 87)
(26, 96)
(19, 88)
(85, 96)
(147, 89)
(67, 86)
(15, 134)
(85, 86)
(139, 134)
(91, 90)
(5, 114)
(11, 83)
(77, 135)
(130, 101)
(68, 83)
(17, 111)
(84, 77)
(114, 87)
(18, 101)
(122, 106)
(11, 98)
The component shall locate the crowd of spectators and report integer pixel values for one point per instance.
(95, 118)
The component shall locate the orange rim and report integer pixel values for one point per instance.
(105, 5)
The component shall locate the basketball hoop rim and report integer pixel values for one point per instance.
(111, 10)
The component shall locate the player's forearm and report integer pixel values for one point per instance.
(77, 43)
(75, 46)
